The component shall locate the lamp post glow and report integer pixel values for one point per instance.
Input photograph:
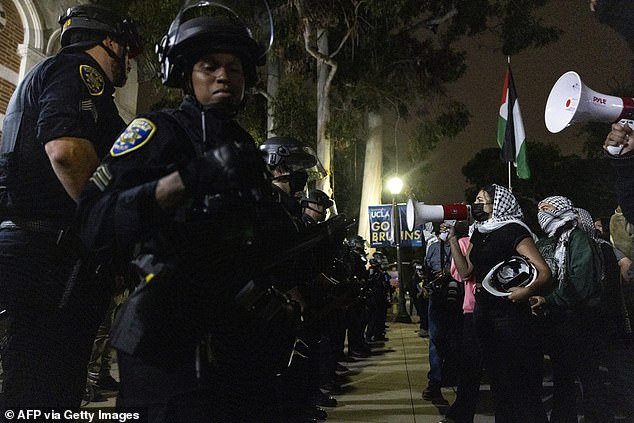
(395, 185)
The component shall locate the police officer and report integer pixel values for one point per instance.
(185, 188)
(356, 313)
(288, 160)
(61, 119)
(315, 207)
(379, 283)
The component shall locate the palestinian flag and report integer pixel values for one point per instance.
(511, 137)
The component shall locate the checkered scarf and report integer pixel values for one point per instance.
(586, 222)
(506, 210)
(551, 221)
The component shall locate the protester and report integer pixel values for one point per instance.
(444, 318)
(470, 357)
(511, 356)
(573, 325)
(617, 354)
(61, 119)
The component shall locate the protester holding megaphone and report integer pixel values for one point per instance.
(505, 329)
(621, 142)
(570, 101)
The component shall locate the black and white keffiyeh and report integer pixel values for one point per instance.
(506, 210)
(587, 223)
(562, 213)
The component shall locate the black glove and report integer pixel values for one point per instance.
(228, 168)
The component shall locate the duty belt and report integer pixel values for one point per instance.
(40, 226)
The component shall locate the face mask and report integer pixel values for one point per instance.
(297, 181)
(478, 213)
(547, 221)
(443, 236)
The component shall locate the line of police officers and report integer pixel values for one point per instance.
(236, 280)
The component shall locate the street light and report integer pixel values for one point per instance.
(395, 185)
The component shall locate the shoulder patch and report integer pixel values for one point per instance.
(93, 79)
(138, 132)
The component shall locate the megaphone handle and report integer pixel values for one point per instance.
(628, 122)
(616, 150)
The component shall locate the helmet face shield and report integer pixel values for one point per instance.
(514, 272)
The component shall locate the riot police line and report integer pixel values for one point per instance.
(234, 288)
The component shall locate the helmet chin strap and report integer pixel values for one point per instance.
(119, 59)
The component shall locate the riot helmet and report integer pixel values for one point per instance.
(318, 197)
(315, 206)
(512, 272)
(98, 19)
(203, 27)
(379, 260)
(289, 153)
(357, 244)
(290, 158)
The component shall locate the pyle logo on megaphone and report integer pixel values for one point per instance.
(419, 213)
(570, 102)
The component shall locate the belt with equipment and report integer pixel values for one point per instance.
(39, 226)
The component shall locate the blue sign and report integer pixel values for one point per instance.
(381, 227)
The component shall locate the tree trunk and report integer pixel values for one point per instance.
(272, 88)
(372, 172)
(324, 148)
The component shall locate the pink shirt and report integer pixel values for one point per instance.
(469, 284)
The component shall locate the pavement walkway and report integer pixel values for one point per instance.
(387, 386)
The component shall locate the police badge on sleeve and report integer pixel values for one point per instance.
(138, 132)
(92, 79)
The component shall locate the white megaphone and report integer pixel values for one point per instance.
(570, 101)
(419, 213)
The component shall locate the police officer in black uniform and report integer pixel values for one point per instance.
(315, 207)
(379, 284)
(61, 119)
(289, 159)
(356, 313)
(202, 336)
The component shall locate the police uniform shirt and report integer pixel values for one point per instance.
(67, 95)
(118, 207)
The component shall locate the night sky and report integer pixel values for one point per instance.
(595, 51)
